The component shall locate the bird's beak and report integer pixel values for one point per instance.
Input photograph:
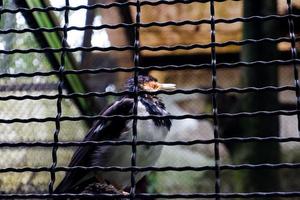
(167, 86)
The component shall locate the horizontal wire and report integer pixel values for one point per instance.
(159, 169)
(160, 68)
(151, 24)
(175, 117)
(149, 48)
(155, 195)
(105, 6)
(217, 44)
(178, 91)
(156, 169)
(56, 50)
(153, 143)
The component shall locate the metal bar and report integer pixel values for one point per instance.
(158, 68)
(59, 100)
(246, 166)
(1, 7)
(294, 57)
(150, 48)
(214, 99)
(176, 117)
(136, 60)
(157, 195)
(153, 143)
(122, 93)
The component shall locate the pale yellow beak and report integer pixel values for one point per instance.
(167, 86)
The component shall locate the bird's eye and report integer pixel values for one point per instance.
(151, 86)
(154, 85)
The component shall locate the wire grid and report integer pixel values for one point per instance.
(136, 48)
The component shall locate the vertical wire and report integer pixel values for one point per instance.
(294, 57)
(214, 99)
(59, 99)
(134, 124)
(1, 7)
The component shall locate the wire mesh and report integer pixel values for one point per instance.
(137, 48)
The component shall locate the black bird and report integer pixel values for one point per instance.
(120, 129)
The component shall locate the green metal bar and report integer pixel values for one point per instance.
(54, 41)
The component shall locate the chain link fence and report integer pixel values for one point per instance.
(235, 113)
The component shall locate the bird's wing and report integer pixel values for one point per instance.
(101, 130)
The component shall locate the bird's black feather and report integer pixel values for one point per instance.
(101, 130)
(154, 107)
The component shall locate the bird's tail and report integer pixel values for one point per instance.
(73, 184)
(63, 187)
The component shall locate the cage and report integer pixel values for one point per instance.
(235, 111)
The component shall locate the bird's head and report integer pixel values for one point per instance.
(149, 84)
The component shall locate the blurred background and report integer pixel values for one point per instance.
(258, 75)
